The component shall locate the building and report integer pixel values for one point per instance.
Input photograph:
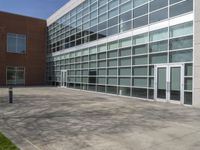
(141, 48)
(22, 50)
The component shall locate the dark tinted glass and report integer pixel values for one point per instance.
(113, 21)
(181, 8)
(159, 15)
(157, 4)
(140, 21)
(113, 30)
(140, 11)
(174, 1)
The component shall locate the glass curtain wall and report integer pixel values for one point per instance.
(126, 66)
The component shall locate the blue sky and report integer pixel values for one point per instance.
(34, 8)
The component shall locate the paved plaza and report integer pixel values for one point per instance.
(49, 118)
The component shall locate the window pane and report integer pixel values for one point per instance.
(112, 81)
(140, 82)
(158, 15)
(158, 46)
(125, 62)
(139, 60)
(188, 83)
(112, 54)
(140, 39)
(124, 81)
(159, 35)
(125, 71)
(139, 2)
(125, 42)
(112, 63)
(188, 70)
(142, 21)
(181, 29)
(181, 8)
(181, 56)
(158, 58)
(113, 45)
(157, 4)
(140, 10)
(125, 51)
(12, 44)
(181, 43)
(136, 92)
(140, 71)
(140, 49)
(112, 72)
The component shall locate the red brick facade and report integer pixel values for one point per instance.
(34, 58)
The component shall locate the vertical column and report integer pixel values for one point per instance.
(196, 76)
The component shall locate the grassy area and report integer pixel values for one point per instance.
(6, 144)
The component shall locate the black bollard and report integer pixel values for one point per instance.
(10, 94)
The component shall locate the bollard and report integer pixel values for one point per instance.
(10, 95)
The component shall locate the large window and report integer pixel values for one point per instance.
(16, 43)
(15, 75)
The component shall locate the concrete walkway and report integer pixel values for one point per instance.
(65, 119)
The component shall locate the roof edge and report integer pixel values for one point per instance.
(63, 10)
(10, 13)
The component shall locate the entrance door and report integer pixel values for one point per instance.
(63, 78)
(169, 83)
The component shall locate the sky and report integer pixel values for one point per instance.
(34, 8)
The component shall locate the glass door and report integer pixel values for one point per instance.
(169, 83)
(63, 78)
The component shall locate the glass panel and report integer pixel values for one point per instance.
(140, 71)
(112, 54)
(124, 91)
(139, 60)
(175, 82)
(188, 83)
(101, 88)
(140, 10)
(181, 8)
(113, 45)
(181, 43)
(158, 46)
(159, 35)
(112, 72)
(158, 58)
(112, 63)
(181, 56)
(125, 42)
(101, 80)
(125, 71)
(158, 15)
(125, 51)
(157, 4)
(125, 81)
(140, 82)
(140, 49)
(112, 89)
(188, 98)
(141, 39)
(139, 2)
(102, 72)
(161, 83)
(188, 70)
(142, 21)
(142, 93)
(181, 29)
(125, 62)
(112, 81)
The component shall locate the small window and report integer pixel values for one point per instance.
(16, 43)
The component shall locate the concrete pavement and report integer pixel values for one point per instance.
(49, 118)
